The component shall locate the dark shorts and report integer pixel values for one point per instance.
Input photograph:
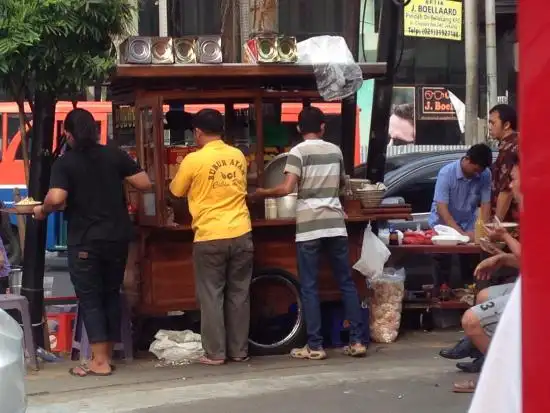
(97, 273)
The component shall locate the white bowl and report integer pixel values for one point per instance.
(445, 240)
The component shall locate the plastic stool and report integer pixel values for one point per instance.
(81, 344)
(63, 331)
(21, 304)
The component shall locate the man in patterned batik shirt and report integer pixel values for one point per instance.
(316, 168)
(502, 127)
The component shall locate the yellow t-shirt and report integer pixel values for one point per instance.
(214, 180)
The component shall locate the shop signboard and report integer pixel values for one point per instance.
(435, 104)
(434, 19)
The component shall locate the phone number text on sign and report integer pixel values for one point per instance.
(436, 19)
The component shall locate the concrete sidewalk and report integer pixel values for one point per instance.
(141, 385)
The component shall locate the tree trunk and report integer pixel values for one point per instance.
(35, 235)
(23, 123)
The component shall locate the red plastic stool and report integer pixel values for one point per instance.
(61, 336)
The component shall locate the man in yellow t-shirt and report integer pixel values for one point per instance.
(214, 180)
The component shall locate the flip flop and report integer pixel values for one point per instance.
(240, 359)
(87, 372)
(210, 362)
(466, 386)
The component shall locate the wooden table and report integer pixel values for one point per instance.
(401, 250)
(470, 248)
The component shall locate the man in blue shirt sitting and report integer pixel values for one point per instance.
(461, 188)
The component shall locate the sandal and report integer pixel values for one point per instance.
(86, 371)
(305, 353)
(467, 386)
(211, 362)
(240, 359)
(355, 350)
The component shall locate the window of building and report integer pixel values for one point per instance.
(148, 18)
(304, 18)
(194, 17)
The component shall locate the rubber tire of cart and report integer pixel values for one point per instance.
(298, 335)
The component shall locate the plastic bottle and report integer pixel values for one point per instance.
(394, 237)
(445, 292)
(270, 209)
(479, 230)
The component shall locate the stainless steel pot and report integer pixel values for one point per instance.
(286, 206)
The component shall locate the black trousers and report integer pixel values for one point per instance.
(442, 268)
(97, 273)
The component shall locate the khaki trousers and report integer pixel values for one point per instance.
(223, 270)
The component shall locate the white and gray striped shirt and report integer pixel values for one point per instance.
(319, 166)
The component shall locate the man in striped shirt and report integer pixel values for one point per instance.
(316, 168)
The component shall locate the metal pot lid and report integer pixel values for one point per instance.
(274, 172)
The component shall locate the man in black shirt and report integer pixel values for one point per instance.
(89, 181)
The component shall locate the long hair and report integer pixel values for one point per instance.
(81, 124)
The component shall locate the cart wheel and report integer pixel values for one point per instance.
(276, 318)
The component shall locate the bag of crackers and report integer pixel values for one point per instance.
(386, 303)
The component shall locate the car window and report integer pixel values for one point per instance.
(416, 186)
(419, 194)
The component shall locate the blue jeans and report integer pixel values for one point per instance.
(309, 253)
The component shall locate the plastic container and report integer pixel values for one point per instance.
(270, 209)
(15, 279)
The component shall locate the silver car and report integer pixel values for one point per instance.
(12, 366)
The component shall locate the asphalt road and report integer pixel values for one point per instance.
(395, 396)
(404, 377)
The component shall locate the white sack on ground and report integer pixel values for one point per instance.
(178, 347)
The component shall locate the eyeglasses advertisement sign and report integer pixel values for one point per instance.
(435, 104)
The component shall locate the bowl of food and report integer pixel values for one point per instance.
(506, 225)
(358, 184)
(371, 195)
(26, 206)
(370, 198)
(489, 246)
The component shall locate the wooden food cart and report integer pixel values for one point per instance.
(165, 248)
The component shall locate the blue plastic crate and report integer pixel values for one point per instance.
(335, 325)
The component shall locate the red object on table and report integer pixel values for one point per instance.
(418, 238)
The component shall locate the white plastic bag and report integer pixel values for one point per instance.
(374, 255)
(12, 366)
(177, 347)
(338, 75)
(386, 303)
(445, 230)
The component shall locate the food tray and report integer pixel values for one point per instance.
(14, 211)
